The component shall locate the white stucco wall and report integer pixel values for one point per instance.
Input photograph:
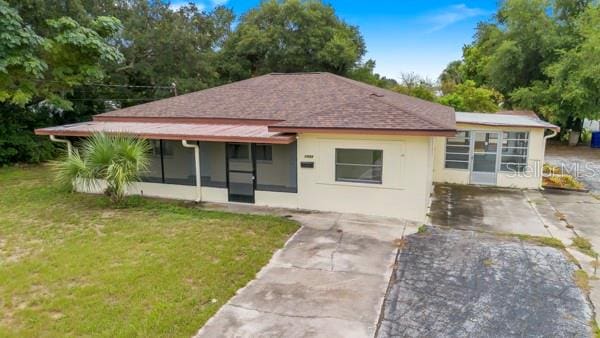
(530, 179)
(406, 181)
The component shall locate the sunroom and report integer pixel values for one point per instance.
(493, 149)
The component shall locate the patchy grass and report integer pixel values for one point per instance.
(488, 262)
(595, 328)
(72, 265)
(422, 229)
(541, 240)
(582, 280)
(583, 245)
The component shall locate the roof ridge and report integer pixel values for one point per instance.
(379, 98)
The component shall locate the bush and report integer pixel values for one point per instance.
(117, 160)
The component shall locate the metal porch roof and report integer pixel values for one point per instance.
(174, 131)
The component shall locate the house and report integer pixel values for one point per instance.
(320, 141)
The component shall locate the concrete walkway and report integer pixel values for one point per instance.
(329, 280)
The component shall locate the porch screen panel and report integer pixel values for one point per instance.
(457, 151)
(212, 164)
(179, 163)
(515, 146)
(276, 167)
(154, 172)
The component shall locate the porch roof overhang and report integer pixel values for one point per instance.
(174, 131)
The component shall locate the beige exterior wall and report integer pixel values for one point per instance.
(530, 179)
(406, 181)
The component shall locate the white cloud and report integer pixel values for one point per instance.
(452, 15)
(219, 2)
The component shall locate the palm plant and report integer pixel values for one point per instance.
(118, 160)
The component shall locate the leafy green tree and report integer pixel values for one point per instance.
(365, 72)
(116, 160)
(36, 68)
(451, 76)
(38, 73)
(468, 97)
(572, 92)
(532, 53)
(291, 36)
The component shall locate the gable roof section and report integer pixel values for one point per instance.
(298, 101)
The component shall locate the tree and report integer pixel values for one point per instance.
(39, 72)
(533, 53)
(365, 72)
(37, 68)
(451, 76)
(468, 97)
(116, 160)
(572, 92)
(414, 85)
(291, 36)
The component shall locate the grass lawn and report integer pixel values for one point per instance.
(73, 265)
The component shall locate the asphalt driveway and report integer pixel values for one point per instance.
(462, 283)
(582, 162)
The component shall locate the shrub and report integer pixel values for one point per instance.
(116, 159)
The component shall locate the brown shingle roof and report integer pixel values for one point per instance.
(302, 100)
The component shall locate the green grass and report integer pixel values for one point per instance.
(540, 240)
(583, 245)
(582, 280)
(72, 265)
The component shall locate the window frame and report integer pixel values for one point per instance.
(525, 157)
(270, 153)
(360, 181)
(468, 146)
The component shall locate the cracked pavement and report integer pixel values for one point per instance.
(464, 283)
(329, 280)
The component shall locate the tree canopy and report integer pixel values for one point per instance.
(291, 36)
(540, 55)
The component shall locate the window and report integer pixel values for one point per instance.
(264, 152)
(239, 151)
(155, 144)
(514, 151)
(457, 150)
(359, 165)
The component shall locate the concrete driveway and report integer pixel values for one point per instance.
(328, 281)
(461, 283)
(495, 210)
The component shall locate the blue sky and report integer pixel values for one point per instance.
(403, 35)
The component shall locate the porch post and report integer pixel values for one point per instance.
(197, 161)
